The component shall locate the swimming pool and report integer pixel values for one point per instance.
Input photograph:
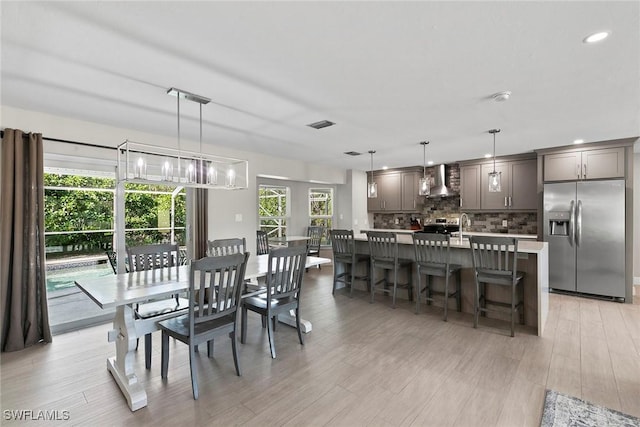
(63, 278)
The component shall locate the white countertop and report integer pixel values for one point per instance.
(517, 236)
(524, 245)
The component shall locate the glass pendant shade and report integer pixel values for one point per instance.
(424, 188)
(495, 178)
(372, 190)
(495, 182)
(372, 187)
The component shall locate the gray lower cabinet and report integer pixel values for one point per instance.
(583, 165)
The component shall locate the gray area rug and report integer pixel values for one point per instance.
(561, 410)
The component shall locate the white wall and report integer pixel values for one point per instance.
(223, 205)
(636, 217)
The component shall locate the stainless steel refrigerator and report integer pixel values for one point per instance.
(584, 224)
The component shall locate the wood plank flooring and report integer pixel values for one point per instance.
(363, 364)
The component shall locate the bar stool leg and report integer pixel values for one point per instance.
(446, 295)
(418, 292)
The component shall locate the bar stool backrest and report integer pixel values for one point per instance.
(495, 257)
(383, 246)
(342, 244)
(432, 249)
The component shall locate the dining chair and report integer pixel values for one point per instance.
(221, 247)
(495, 262)
(433, 259)
(344, 253)
(314, 234)
(262, 242)
(211, 314)
(149, 257)
(383, 250)
(283, 287)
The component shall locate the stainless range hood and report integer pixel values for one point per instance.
(440, 188)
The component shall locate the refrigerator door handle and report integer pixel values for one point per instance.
(572, 218)
(579, 223)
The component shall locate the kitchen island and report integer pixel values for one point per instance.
(533, 259)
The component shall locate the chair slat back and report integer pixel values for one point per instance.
(342, 243)
(287, 268)
(383, 246)
(431, 248)
(221, 247)
(494, 255)
(215, 286)
(262, 242)
(149, 257)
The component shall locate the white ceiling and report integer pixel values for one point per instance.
(390, 74)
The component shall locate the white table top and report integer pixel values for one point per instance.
(288, 239)
(140, 286)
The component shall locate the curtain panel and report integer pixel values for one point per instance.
(23, 296)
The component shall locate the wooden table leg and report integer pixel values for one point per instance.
(122, 365)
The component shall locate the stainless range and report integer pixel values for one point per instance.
(442, 226)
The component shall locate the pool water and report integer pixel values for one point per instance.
(64, 278)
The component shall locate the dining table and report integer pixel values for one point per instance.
(124, 291)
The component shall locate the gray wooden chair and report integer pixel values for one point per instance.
(262, 242)
(344, 253)
(148, 257)
(495, 262)
(284, 284)
(314, 233)
(221, 247)
(383, 249)
(211, 314)
(433, 259)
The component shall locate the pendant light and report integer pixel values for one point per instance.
(423, 188)
(495, 178)
(372, 187)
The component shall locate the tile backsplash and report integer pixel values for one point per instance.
(491, 222)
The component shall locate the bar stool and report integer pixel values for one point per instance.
(344, 252)
(432, 259)
(495, 261)
(383, 249)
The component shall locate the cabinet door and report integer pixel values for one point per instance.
(604, 163)
(524, 186)
(562, 167)
(390, 189)
(410, 199)
(470, 187)
(489, 200)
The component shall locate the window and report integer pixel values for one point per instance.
(321, 209)
(79, 222)
(273, 209)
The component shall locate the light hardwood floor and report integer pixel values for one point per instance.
(363, 364)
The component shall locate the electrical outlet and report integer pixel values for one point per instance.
(396, 221)
(505, 223)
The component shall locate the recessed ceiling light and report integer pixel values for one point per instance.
(578, 141)
(321, 124)
(488, 155)
(384, 168)
(596, 37)
(430, 162)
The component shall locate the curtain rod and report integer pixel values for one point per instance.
(84, 144)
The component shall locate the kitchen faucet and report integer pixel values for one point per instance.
(464, 218)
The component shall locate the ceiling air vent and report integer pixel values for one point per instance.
(321, 124)
(352, 153)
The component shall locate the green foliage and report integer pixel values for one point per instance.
(85, 209)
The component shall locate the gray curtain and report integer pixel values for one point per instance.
(25, 318)
(201, 228)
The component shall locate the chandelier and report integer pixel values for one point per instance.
(152, 164)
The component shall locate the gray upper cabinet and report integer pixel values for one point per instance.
(389, 193)
(518, 186)
(410, 199)
(397, 192)
(470, 187)
(588, 164)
